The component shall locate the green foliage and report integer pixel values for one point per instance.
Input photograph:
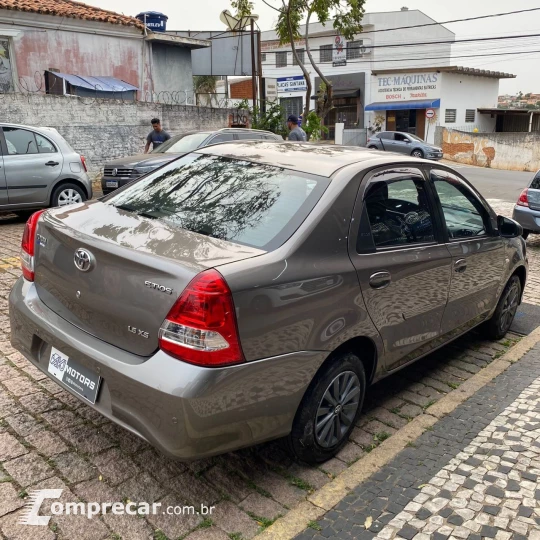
(205, 84)
(313, 127)
(314, 525)
(270, 119)
(242, 8)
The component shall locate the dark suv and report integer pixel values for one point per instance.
(119, 172)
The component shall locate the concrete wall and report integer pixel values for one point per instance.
(106, 129)
(171, 68)
(508, 151)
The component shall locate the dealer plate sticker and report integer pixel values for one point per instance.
(77, 378)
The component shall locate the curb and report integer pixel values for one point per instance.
(324, 499)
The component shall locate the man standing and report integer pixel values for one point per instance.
(157, 136)
(296, 132)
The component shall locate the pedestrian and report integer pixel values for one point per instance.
(296, 132)
(157, 136)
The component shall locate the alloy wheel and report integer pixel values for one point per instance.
(69, 196)
(337, 409)
(417, 154)
(509, 308)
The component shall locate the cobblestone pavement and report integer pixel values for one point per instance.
(50, 439)
(474, 474)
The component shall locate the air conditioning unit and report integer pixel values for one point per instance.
(365, 49)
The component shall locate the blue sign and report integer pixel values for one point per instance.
(292, 84)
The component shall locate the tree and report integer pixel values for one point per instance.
(347, 17)
(269, 118)
(205, 84)
(243, 8)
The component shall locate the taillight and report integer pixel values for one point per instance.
(201, 327)
(28, 245)
(83, 161)
(523, 199)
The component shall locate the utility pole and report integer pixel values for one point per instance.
(253, 64)
(262, 104)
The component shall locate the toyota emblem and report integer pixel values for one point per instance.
(114, 172)
(83, 260)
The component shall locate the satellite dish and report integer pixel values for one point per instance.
(233, 23)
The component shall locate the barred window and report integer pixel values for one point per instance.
(354, 49)
(281, 59)
(326, 53)
(450, 116)
(301, 55)
(470, 115)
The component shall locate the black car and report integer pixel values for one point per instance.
(121, 171)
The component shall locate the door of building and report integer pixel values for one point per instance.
(291, 105)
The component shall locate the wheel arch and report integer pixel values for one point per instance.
(64, 181)
(419, 150)
(521, 272)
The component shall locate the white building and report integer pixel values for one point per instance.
(379, 78)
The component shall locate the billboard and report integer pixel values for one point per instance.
(229, 53)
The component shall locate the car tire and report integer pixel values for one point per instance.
(417, 153)
(66, 194)
(372, 147)
(312, 445)
(501, 320)
(525, 234)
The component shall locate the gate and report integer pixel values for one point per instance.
(355, 137)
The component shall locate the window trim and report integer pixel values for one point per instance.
(56, 150)
(37, 153)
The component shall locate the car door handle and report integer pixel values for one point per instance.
(52, 163)
(460, 266)
(380, 280)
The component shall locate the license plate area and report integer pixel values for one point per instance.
(77, 378)
(112, 183)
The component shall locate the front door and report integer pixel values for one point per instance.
(31, 165)
(477, 253)
(402, 265)
(402, 144)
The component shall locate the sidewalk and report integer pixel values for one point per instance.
(474, 474)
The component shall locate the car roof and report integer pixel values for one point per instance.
(316, 159)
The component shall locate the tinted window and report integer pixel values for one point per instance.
(249, 136)
(535, 184)
(463, 213)
(244, 202)
(20, 141)
(398, 209)
(181, 144)
(44, 145)
(386, 135)
(400, 137)
(222, 137)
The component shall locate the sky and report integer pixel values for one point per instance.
(204, 15)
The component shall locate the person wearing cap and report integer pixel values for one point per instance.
(296, 132)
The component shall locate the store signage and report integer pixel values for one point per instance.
(292, 84)
(270, 90)
(407, 86)
(339, 52)
(430, 113)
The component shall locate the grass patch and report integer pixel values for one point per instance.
(160, 535)
(299, 483)
(381, 436)
(205, 524)
(452, 385)
(235, 536)
(261, 521)
(314, 525)
(410, 445)
(258, 489)
(23, 494)
(432, 402)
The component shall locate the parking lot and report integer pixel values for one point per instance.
(48, 439)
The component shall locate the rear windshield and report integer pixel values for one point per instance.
(181, 144)
(535, 184)
(239, 201)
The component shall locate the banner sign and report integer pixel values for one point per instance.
(292, 84)
(339, 52)
(408, 86)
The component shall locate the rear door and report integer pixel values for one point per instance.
(477, 252)
(386, 141)
(32, 163)
(401, 144)
(401, 261)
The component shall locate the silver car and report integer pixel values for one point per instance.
(38, 168)
(404, 143)
(527, 208)
(253, 290)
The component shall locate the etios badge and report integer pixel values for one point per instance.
(84, 260)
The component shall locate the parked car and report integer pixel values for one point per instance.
(527, 209)
(121, 171)
(164, 307)
(38, 168)
(404, 143)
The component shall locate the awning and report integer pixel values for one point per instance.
(103, 84)
(400, 105)
(352, 92)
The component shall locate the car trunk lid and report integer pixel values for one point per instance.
(137, 269)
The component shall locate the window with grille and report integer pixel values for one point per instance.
(470, 115)
(354, 49)
(281, 59)
(301, 55)
(326, 53)
(450, 116)
(263, 57)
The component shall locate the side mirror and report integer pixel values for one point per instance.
(508, 228)
(408, 141)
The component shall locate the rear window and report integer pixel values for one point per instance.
(239, 201)
(535, 184)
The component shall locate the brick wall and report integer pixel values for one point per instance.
(242, 90)
(105, 129)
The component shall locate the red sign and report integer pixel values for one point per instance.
(430, 113)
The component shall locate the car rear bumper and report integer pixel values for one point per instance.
(186, 411)
(529, 219)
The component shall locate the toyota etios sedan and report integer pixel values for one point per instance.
(252, 291)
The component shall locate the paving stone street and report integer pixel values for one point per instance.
(49, 439)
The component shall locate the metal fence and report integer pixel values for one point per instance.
(355, 137)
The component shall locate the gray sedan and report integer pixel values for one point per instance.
(404, 143)
(527, 209)
(38, 168)
(252, 291)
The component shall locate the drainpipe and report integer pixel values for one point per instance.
(530, 121)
